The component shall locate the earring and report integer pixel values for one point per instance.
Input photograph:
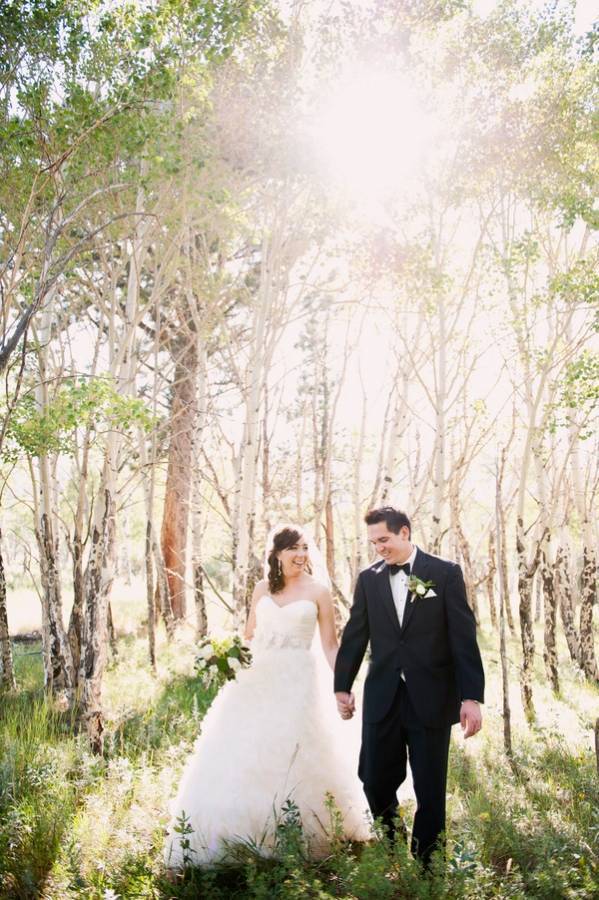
(279, 567)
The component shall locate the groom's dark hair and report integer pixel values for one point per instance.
(394, 519)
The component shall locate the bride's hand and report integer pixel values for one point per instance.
(346, 704)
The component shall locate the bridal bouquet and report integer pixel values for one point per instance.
(218, 661)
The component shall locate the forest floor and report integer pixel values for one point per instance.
(74, 825)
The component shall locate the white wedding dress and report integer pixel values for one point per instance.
(271, 735)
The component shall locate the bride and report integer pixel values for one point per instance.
(272, 735)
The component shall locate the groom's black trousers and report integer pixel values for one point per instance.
(386, 745)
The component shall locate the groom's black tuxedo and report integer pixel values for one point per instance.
(418, 675)
(435, 646)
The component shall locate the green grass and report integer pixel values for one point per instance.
(73, 825)
(59, 805)
(38, 766)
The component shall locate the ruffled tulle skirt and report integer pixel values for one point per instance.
(271, 736)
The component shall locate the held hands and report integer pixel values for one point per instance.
(471, 718)
(346, 704)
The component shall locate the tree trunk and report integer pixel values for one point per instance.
(566, 606)
(358, 527)
(200, 599)
(317, 502)
(159, 601)
(526, 624)
(438, 462)
(178, 480)
(299, 471)
(157, 598)
(396, 438)
(588, 659)
(255, 573)
(76, 619)
(197, 530)
(503, 572)
(266, 485)
(546, 574)
(490, 579)
(99, 575)
(243, 524)
(59, 673)
(380, 478)
(468, 574)
(538, 589)
(583, 498)
(329, 410)
(321, 438)
(110, 626)
(124, 557)
(162, 600)
(507, 727)
(76, 547)
(464, 549)
(149, 564)
(330, 535)
(7, 676)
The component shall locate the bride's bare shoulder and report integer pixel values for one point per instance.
(260, 589)
(318, 589)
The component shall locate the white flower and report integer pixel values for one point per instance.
(234, 663)
(420, 590)
(206, 652)
(201, 663)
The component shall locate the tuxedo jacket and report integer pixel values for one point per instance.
(435, 647)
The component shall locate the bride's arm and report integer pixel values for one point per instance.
(250, 625)
(326, 624)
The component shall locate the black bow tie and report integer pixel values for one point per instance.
(394, 568)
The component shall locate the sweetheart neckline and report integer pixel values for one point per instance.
(293, 602)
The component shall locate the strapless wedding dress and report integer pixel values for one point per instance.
(271, 735)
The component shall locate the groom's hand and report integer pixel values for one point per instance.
(471, 718)
(346, 704)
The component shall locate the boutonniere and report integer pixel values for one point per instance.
(419, 588)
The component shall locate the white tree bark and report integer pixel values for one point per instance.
(503, 600)
(7, 675)
(246, 488)
(587, 655)
(100, 568)
(59, 672)
(197, 523)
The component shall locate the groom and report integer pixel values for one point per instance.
(425, 673)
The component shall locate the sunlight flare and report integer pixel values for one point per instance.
(373, 131)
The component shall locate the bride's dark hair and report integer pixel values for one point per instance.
(286, 537)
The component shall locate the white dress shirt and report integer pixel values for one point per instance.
(399, 586)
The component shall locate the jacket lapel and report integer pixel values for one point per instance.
(419, 569)
(384, 588)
